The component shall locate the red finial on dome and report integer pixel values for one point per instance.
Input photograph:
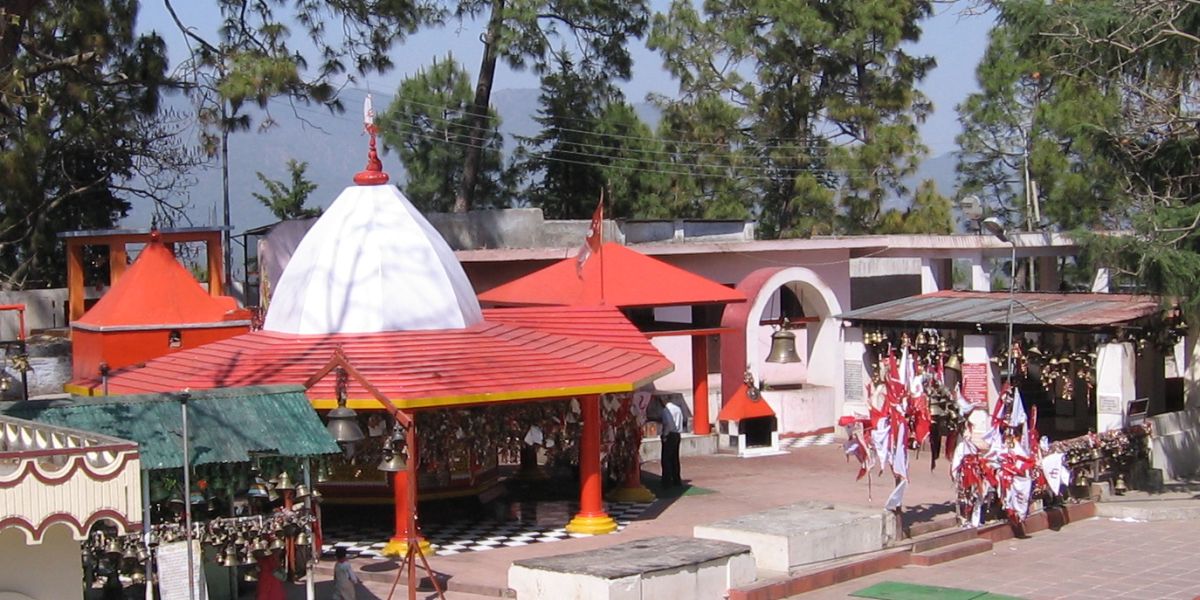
(373, 174)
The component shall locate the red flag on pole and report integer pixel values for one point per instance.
(594, 239)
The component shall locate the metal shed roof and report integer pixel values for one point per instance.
(1031, 310)
(225, 425)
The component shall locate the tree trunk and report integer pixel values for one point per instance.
(479, 110)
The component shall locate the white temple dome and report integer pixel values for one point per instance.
(372, 263)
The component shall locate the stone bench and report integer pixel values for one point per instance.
(665, 568)
(803, 533)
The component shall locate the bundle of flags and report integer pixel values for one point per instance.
(899, 419)
(1013, 465)
(1010, 469)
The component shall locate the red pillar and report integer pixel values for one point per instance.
(700, 422)
(591, 518)
(404, 494)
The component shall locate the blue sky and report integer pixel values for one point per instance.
(956, 41)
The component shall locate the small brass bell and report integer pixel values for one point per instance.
(129, 555)
(114, 549)
(138, 576)
(142, 554)
(261, 547)
(277, 544)
(954, 363)
(393, 462)
(284, 483)
(258, 489)
(302, 538)
(783, 348)
(301, 492)
(231, 556)
(1119, 487)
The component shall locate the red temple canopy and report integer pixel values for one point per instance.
(157, 290)
(630, 279)
(554, 353)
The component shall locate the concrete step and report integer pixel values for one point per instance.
(941, 539)
(934, 525)
(956, 551)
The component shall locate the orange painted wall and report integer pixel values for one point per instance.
(124, 348)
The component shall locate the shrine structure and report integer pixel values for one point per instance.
(154, 308)
(373, 284)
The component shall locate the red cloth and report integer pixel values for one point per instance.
(269, 586)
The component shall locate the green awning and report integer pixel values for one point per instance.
(225, 425)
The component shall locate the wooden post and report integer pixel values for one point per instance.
(75, 295)
(216, 270)
(591, 518)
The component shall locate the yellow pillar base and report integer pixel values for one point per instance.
(640, 494)
(599, 525)
(398, 547)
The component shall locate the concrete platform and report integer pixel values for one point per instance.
(801, 533)
(651, 569)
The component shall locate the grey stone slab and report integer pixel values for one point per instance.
(799, 517)
(638, 556)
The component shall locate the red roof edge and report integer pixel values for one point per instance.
(742, 406)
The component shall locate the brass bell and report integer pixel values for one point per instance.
(301, 492)
(258, 489)
(393, 462)
(284, 483)
(261, 547)
(316, 495)
(231, 556)
(1119, 487)
(954, 363)
(138, 576)
(277, 544)
(114, 549)
(783, 348)
(302, 538)
(142, 554)
(129, 555)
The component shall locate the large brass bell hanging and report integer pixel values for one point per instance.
(783, 347)
(302, 538)
(954, 363)
(231, 556)
(284, 482)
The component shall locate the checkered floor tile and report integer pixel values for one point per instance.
(531, 525)
(823, 439)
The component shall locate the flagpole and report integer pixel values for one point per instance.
(600, 249)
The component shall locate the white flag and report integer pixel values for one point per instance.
(368, 112)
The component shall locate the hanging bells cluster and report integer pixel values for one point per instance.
(105, 552)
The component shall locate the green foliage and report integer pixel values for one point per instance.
(591, 140)
(931, 212)
(80, 131)
(428, 124)
(821, 95)
(1123, 87)
(529, 34)
(287, 201)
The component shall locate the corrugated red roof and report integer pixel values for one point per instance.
(558, 355)
(157, 290)
(1031, 310)
(630, 279)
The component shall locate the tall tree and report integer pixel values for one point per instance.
(1143, 56)
(80, 131)
(428, 124)
(1024, 147)
(285, 200)
(525, 33)
(806, 77)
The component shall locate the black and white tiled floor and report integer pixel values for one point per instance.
(536, 525)
(823, 439)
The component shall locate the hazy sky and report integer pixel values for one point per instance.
(956, 42)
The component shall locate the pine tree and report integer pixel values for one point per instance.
(428, 124)
(287, 201)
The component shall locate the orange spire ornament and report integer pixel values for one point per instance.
(373, 174)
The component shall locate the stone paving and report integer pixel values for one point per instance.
(1093, 559)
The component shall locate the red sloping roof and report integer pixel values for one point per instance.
(740, 406)
(487, 362)
(631, 279)
(157, 290)
(602, 324)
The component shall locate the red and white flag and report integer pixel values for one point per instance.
(594, 239)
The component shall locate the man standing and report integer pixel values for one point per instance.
(671, 424)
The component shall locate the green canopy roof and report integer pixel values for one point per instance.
(225, 425)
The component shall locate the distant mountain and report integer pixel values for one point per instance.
(335, 148)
